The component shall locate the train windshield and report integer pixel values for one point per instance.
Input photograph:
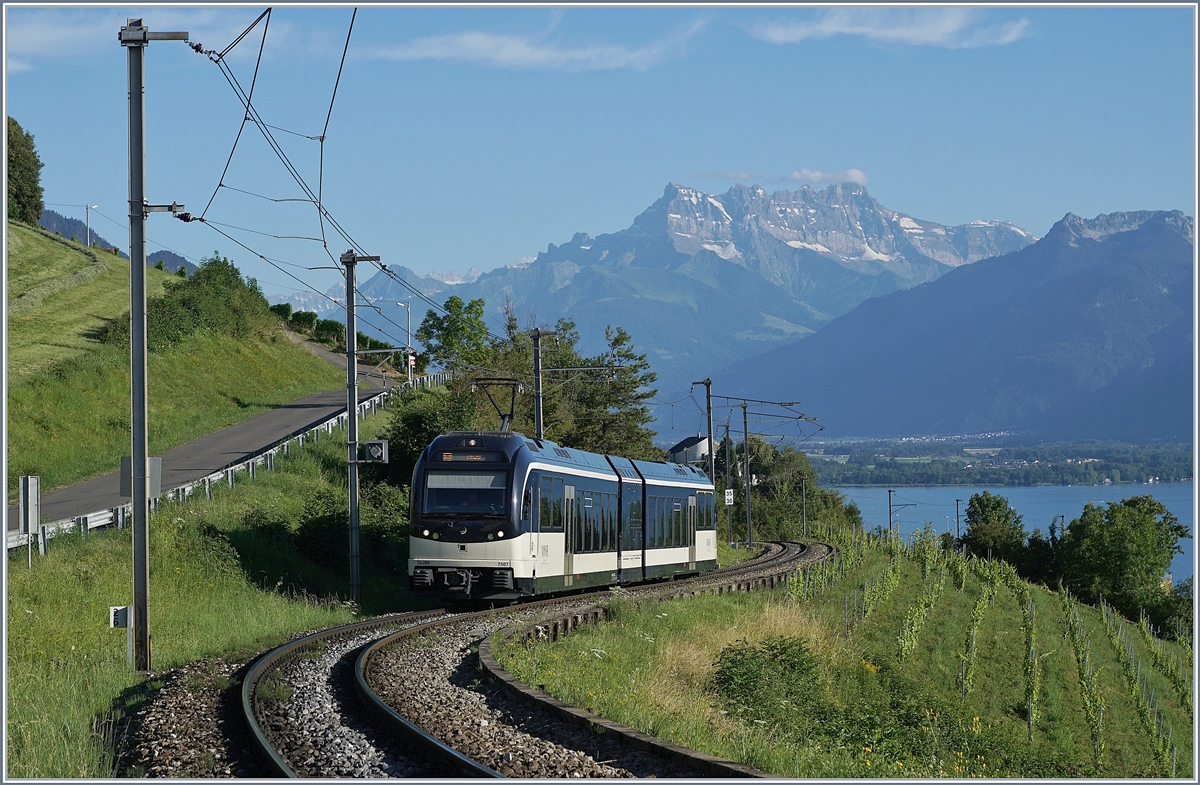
(473, 493)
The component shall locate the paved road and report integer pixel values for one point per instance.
(207, 454)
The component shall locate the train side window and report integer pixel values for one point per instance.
(611, 514)
(527, 506)
(635, 525)
(558, 504)
(677, 522)
(546, 505)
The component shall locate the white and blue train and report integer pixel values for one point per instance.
(498, 516)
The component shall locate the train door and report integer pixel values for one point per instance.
(569, 523)
(691, 529)
(549, 513)
(531, 511)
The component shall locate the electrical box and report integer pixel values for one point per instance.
(373, 452)
(155, 489)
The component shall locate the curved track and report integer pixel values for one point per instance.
(405, 695)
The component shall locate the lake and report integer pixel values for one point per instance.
(1038, 504)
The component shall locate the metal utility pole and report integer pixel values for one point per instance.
(537, 334)
(804, 503)
(134, 36)
(712, 470)
(728, 484)
(407, 306)
(349, 259)
(746, 444)
(87, 211)
(890, 492)
(957, 526)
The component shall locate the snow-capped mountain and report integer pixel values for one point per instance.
(699, 280)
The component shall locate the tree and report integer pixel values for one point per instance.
(24, 176)
(1121, 552)
(458, 339)
(993, 524)
(612, 402)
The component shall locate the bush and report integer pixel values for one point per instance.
(214, 301)
(304, 320)
(283, 311)
(329, 331)
(776, 682)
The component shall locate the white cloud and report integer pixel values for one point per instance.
(952, 28)
(521, 52)
(798, 176)
(40, 35)
(813, 176)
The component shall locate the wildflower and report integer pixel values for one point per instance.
(866, 749)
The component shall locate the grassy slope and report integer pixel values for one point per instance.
(63, 327)
(651, 669)
(210, 562)
(68, 394)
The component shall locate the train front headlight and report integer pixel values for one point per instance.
(425, 533)
(500, 533)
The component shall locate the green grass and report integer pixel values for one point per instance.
(68, 394)
(68, 308)
(228, 577)
(73, 423)
(652, 668)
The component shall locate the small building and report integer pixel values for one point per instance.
(693, 449)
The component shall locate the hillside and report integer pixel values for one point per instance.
(60, 295)
(699, 276)
(68, 391)
(1085, 334)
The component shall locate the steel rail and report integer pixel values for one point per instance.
(783, 555)
(265, 662)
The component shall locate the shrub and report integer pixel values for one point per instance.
(776, 682)
(329, 331)
(214, 301)
(304, 320)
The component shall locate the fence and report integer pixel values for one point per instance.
(265, 457)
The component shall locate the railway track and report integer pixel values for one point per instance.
(406, 695)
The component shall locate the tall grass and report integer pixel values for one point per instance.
(653, 667)
(60, 297)
(228, 577)
(73, 424)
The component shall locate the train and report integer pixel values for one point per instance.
(497, 516)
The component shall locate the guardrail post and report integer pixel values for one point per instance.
(208, 487)
(229, 477)
(42, 539)
(81, 524)
(270, 457)
(250, 468)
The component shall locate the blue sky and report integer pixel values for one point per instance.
(468, 137)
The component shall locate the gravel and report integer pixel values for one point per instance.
(321, 730)
(192, 726)
(434, 682)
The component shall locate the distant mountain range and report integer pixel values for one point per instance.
(699, 280)
(52, 221)
(1085, 334)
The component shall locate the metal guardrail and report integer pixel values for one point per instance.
(265, 457)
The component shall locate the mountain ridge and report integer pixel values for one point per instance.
(1086, 333)
(772, 266)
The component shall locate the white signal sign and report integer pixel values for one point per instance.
(729, 497)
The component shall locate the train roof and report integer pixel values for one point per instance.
(555, 454)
